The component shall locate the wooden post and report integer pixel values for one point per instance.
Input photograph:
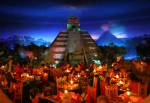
(10, 65)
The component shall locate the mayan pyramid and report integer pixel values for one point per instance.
(72, 46)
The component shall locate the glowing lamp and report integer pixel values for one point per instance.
(100, 67)
(45, 75)
(128, 93)
(65, 91)
(78, 75)
(120, 82)
(27, 75)
(71, 81)
(3, 67)
(67, 71)
(117, 76)
(94, 70)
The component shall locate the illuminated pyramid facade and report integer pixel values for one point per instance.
(72, 46)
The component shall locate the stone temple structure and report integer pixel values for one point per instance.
(72, 46)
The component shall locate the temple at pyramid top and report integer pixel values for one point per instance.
(73, 23)
(73, 46)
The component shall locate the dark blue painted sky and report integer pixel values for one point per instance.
(45, 18)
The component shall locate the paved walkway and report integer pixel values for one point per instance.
(4, 98)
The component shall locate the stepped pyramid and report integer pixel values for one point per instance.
(72, 46)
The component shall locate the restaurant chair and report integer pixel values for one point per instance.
(17, 93)
(95, 85)
(57, 84)
(111, 91)
(102, 87)
(91, 95)
(95, 82)
(143, 90)
(134, 87)
(88, 98)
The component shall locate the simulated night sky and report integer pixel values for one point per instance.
(44, 18)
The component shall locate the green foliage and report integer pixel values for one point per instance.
(109, 53)
(17, 58)
(143, 49)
